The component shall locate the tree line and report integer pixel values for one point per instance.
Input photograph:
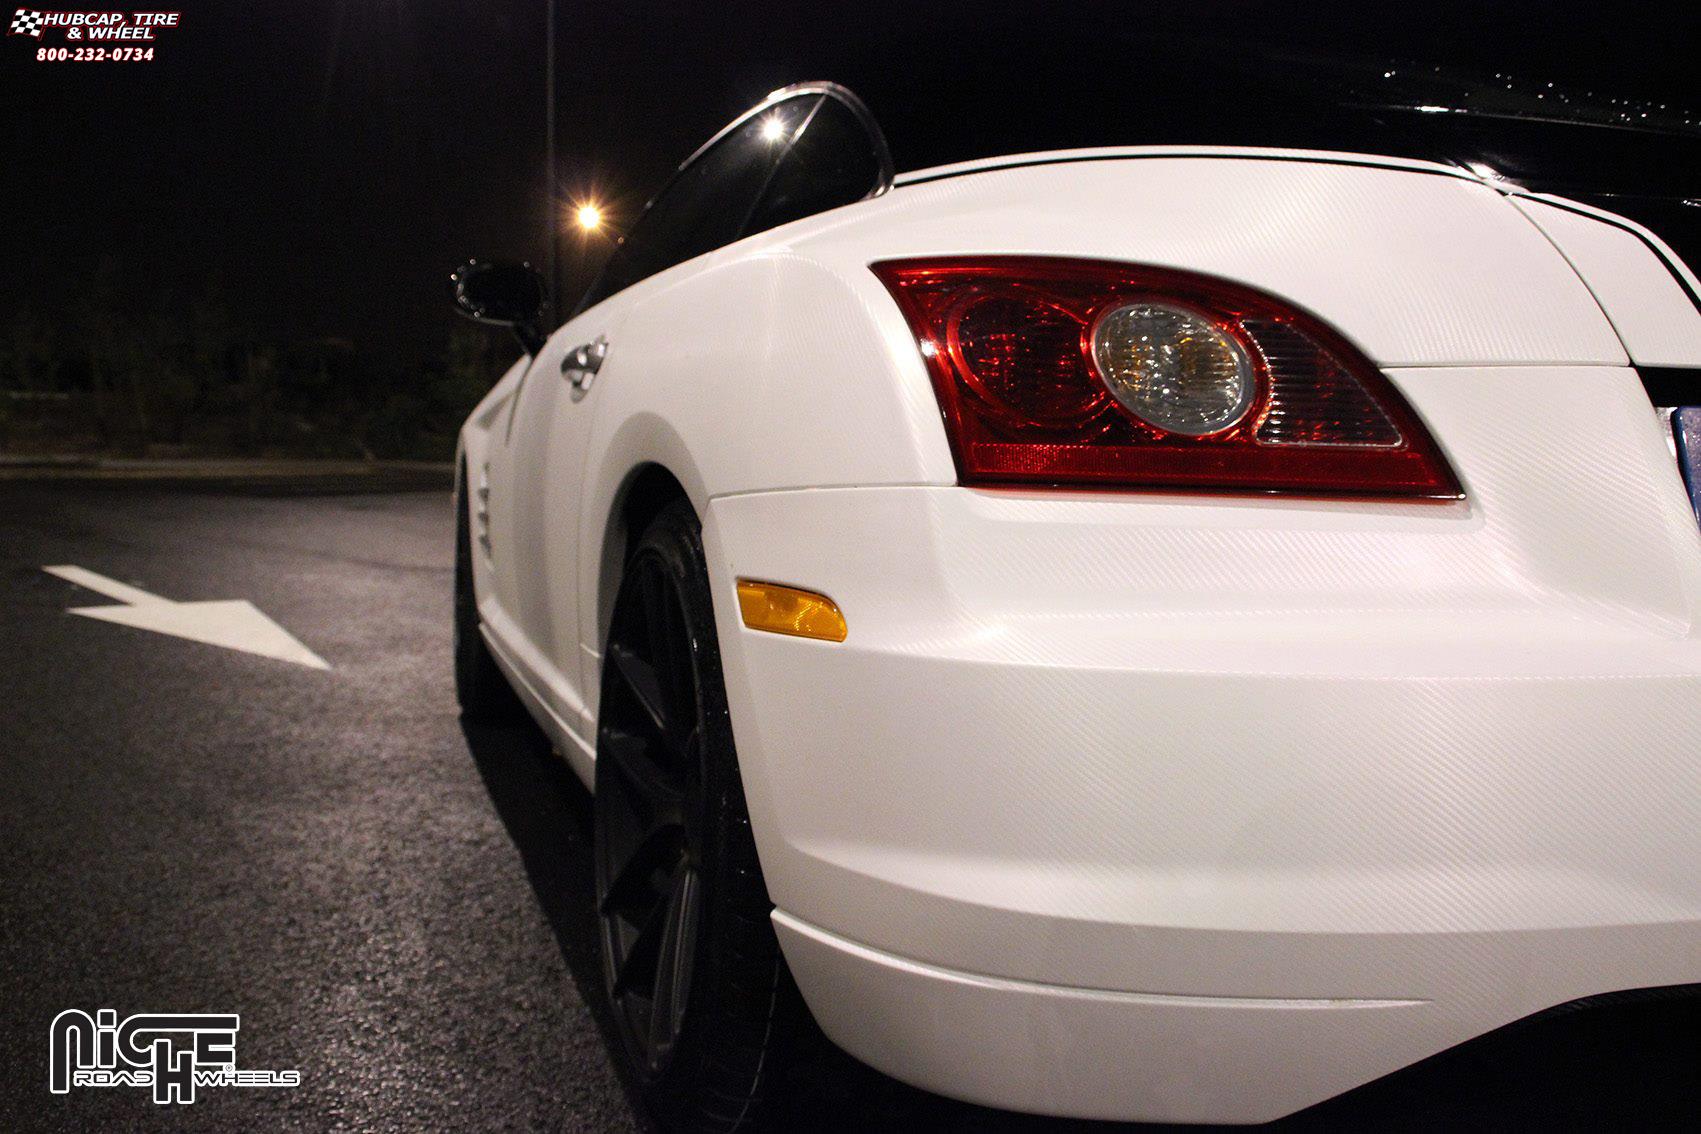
(187, 379)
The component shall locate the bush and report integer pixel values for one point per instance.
(186, 380)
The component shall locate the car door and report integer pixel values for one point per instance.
(536, 467)
(705, 206)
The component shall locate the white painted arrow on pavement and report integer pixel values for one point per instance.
(235, 624)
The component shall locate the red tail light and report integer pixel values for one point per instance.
(1084, 373)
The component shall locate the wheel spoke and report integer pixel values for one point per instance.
(673, 963)
(660, 848)
(657, 788)
(652, 592)
(636, 971)
(641, 679)
(668, 654)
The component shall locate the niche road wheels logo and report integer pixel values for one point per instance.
(175, 1055)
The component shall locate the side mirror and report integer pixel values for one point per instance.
(503, 295)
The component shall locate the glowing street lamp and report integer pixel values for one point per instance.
(588, 217)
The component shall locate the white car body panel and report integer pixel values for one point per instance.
(1154, 805)
(1655, 318)
(1404, 262)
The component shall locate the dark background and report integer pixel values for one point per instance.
(242, 246)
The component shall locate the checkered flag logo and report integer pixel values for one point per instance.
(25, 22)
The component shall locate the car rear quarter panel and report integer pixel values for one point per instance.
(781, 363)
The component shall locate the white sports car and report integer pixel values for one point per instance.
(1165, 633)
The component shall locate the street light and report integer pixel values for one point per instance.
(588, 217)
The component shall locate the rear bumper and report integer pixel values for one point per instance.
(1095, 1053)
(1092, 1053)
(1170, 809)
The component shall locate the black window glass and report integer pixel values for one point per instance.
(707, 203)
(831, 163)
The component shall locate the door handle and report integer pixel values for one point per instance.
(580, 365)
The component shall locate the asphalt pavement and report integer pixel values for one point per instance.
(398, 906)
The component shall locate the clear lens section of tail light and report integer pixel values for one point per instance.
(1314, 400)
(1083, 373)
(1173, 368)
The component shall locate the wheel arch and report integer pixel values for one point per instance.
(644, 492)
(644, 467)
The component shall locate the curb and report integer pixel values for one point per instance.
(116, 468)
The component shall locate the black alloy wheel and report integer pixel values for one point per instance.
(700, 994)
(650, 810)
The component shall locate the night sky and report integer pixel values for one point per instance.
(325, 163)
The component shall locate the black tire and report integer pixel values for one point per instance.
(682, 907)
(480, 685)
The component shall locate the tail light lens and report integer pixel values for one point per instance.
(1084, 373)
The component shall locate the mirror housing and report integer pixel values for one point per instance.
(502, 294)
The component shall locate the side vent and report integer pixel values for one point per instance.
(482, 512)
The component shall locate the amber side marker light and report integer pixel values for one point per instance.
(788, 610)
